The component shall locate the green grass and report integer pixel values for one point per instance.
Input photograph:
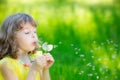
(86, 37)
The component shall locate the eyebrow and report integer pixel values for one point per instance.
(28, 27)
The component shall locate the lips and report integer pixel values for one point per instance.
(34, 43)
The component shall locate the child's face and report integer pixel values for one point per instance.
(27, 37)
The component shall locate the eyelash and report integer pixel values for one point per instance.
(29, 32)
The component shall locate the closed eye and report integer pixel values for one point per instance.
(27, 32)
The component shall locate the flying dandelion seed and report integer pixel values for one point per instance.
(76, 48)
(72, 44)
(116, 49)
(96, 73)
(111, 49)
(116, 45)
(115, 52)
(106, 70)
(116, 77)
(93, 68)
(79, 49)
(89, 64)
(106, 76)
(40, 41)
(82, 55)
(111, 41)
(94, 42)
(93, 56)
(60, 42)
(90, 74)
(102, 43)
(97, 77)
(76, 52)
(113, 56)
(84, 59)
(99, 59)
(81, 72)
(55, 46)
(91, 51)
(96, 48)
(108, 41)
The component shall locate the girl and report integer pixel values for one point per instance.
(19, 42)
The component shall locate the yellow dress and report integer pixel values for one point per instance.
(18, 67)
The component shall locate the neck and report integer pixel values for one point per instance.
(21, 53)
(23, 56)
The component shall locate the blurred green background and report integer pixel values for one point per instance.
(85, 34)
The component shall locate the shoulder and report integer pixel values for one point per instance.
(6, 71)
(4, 67)
(7, 62)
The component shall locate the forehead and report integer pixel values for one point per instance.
(28, 25)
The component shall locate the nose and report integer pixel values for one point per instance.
(33, 35)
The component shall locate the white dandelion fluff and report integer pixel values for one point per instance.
(47, 47)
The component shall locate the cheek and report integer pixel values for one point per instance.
(24, 41)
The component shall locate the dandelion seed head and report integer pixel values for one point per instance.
(47, 47)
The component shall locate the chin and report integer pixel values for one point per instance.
(31, 49)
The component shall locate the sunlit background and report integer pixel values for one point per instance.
(85, 34)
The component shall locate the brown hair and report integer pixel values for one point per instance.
(11, 24)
